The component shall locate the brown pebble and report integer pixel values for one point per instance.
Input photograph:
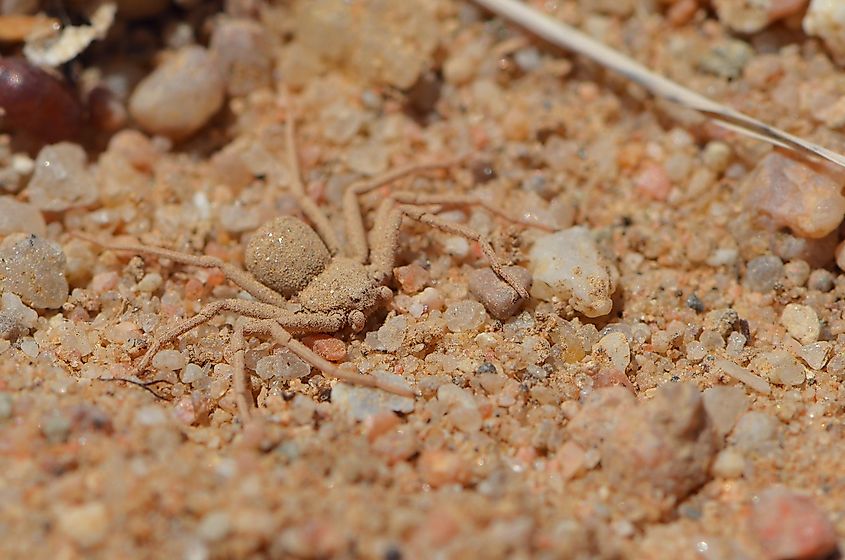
(37, 103)
(498, 297)
(789, 525)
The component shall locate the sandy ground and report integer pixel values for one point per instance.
(688, 404)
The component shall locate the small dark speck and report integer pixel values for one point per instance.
(393, 554)
(626, 221)
(483, 172)
(288, 395)
(675, 379)
(695, 303)
(486, 367)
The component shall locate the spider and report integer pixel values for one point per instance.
(337, 286)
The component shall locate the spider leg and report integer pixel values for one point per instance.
(274, 329)
(386, 233)
(310, 208)
(239, 277)
(356, 233)
(424, 199)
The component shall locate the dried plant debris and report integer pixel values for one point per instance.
(51, 47)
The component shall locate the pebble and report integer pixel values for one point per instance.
(392, 333)
(820, 280)
(613, 348)
(85, 524)
(150, 282)
(284, 364)
(193, 374)
(729, 463)
(181, 95)
(462, 407)
(567, 266)
(412, 278)
(751, 16)
(815, 355)
(779, 367)
(802, 322)
(464, 316)
(33, 268)
(789, 525)
(654, 453)
(359, 403)
(215, 525)
(61, 179)
(169, 360)
(794, 194)
(756, 433)
(763, 273)
(16, 319)
(439, 468)
(744, 376)
(20, 217)
(724, 405)
(826, 19)
(330, 348)
(56, 427)
(797, 272)
(736, 343)
(727, 58)
(244, 54)
(500, 300)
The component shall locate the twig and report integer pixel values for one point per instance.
(567, 37)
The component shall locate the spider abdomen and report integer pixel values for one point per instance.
(285, 254)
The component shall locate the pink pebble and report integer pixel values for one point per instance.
(791, 526)
(653, 182)
(104, 282)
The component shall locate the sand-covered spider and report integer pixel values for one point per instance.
(337, 286)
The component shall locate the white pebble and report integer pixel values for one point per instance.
(456, 246)
(736, 342)
(85, 524)
(743, 375)
(61, 179)
(34, 268)
(20, 217)
(150, 282)
(802, 322)
(284, 364)
(179, 96)
(214, 526)
(724, 404)
(816, 354)
(359, 403)
(392, 333)
(729, 463)
(614, 347)
(696, 351)
(192, 374)
(465, 316)
(779, 367)
(567, 265)
(826, 19)
(30, 347)
(169, 360)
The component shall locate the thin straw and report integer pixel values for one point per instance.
(567, 37)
